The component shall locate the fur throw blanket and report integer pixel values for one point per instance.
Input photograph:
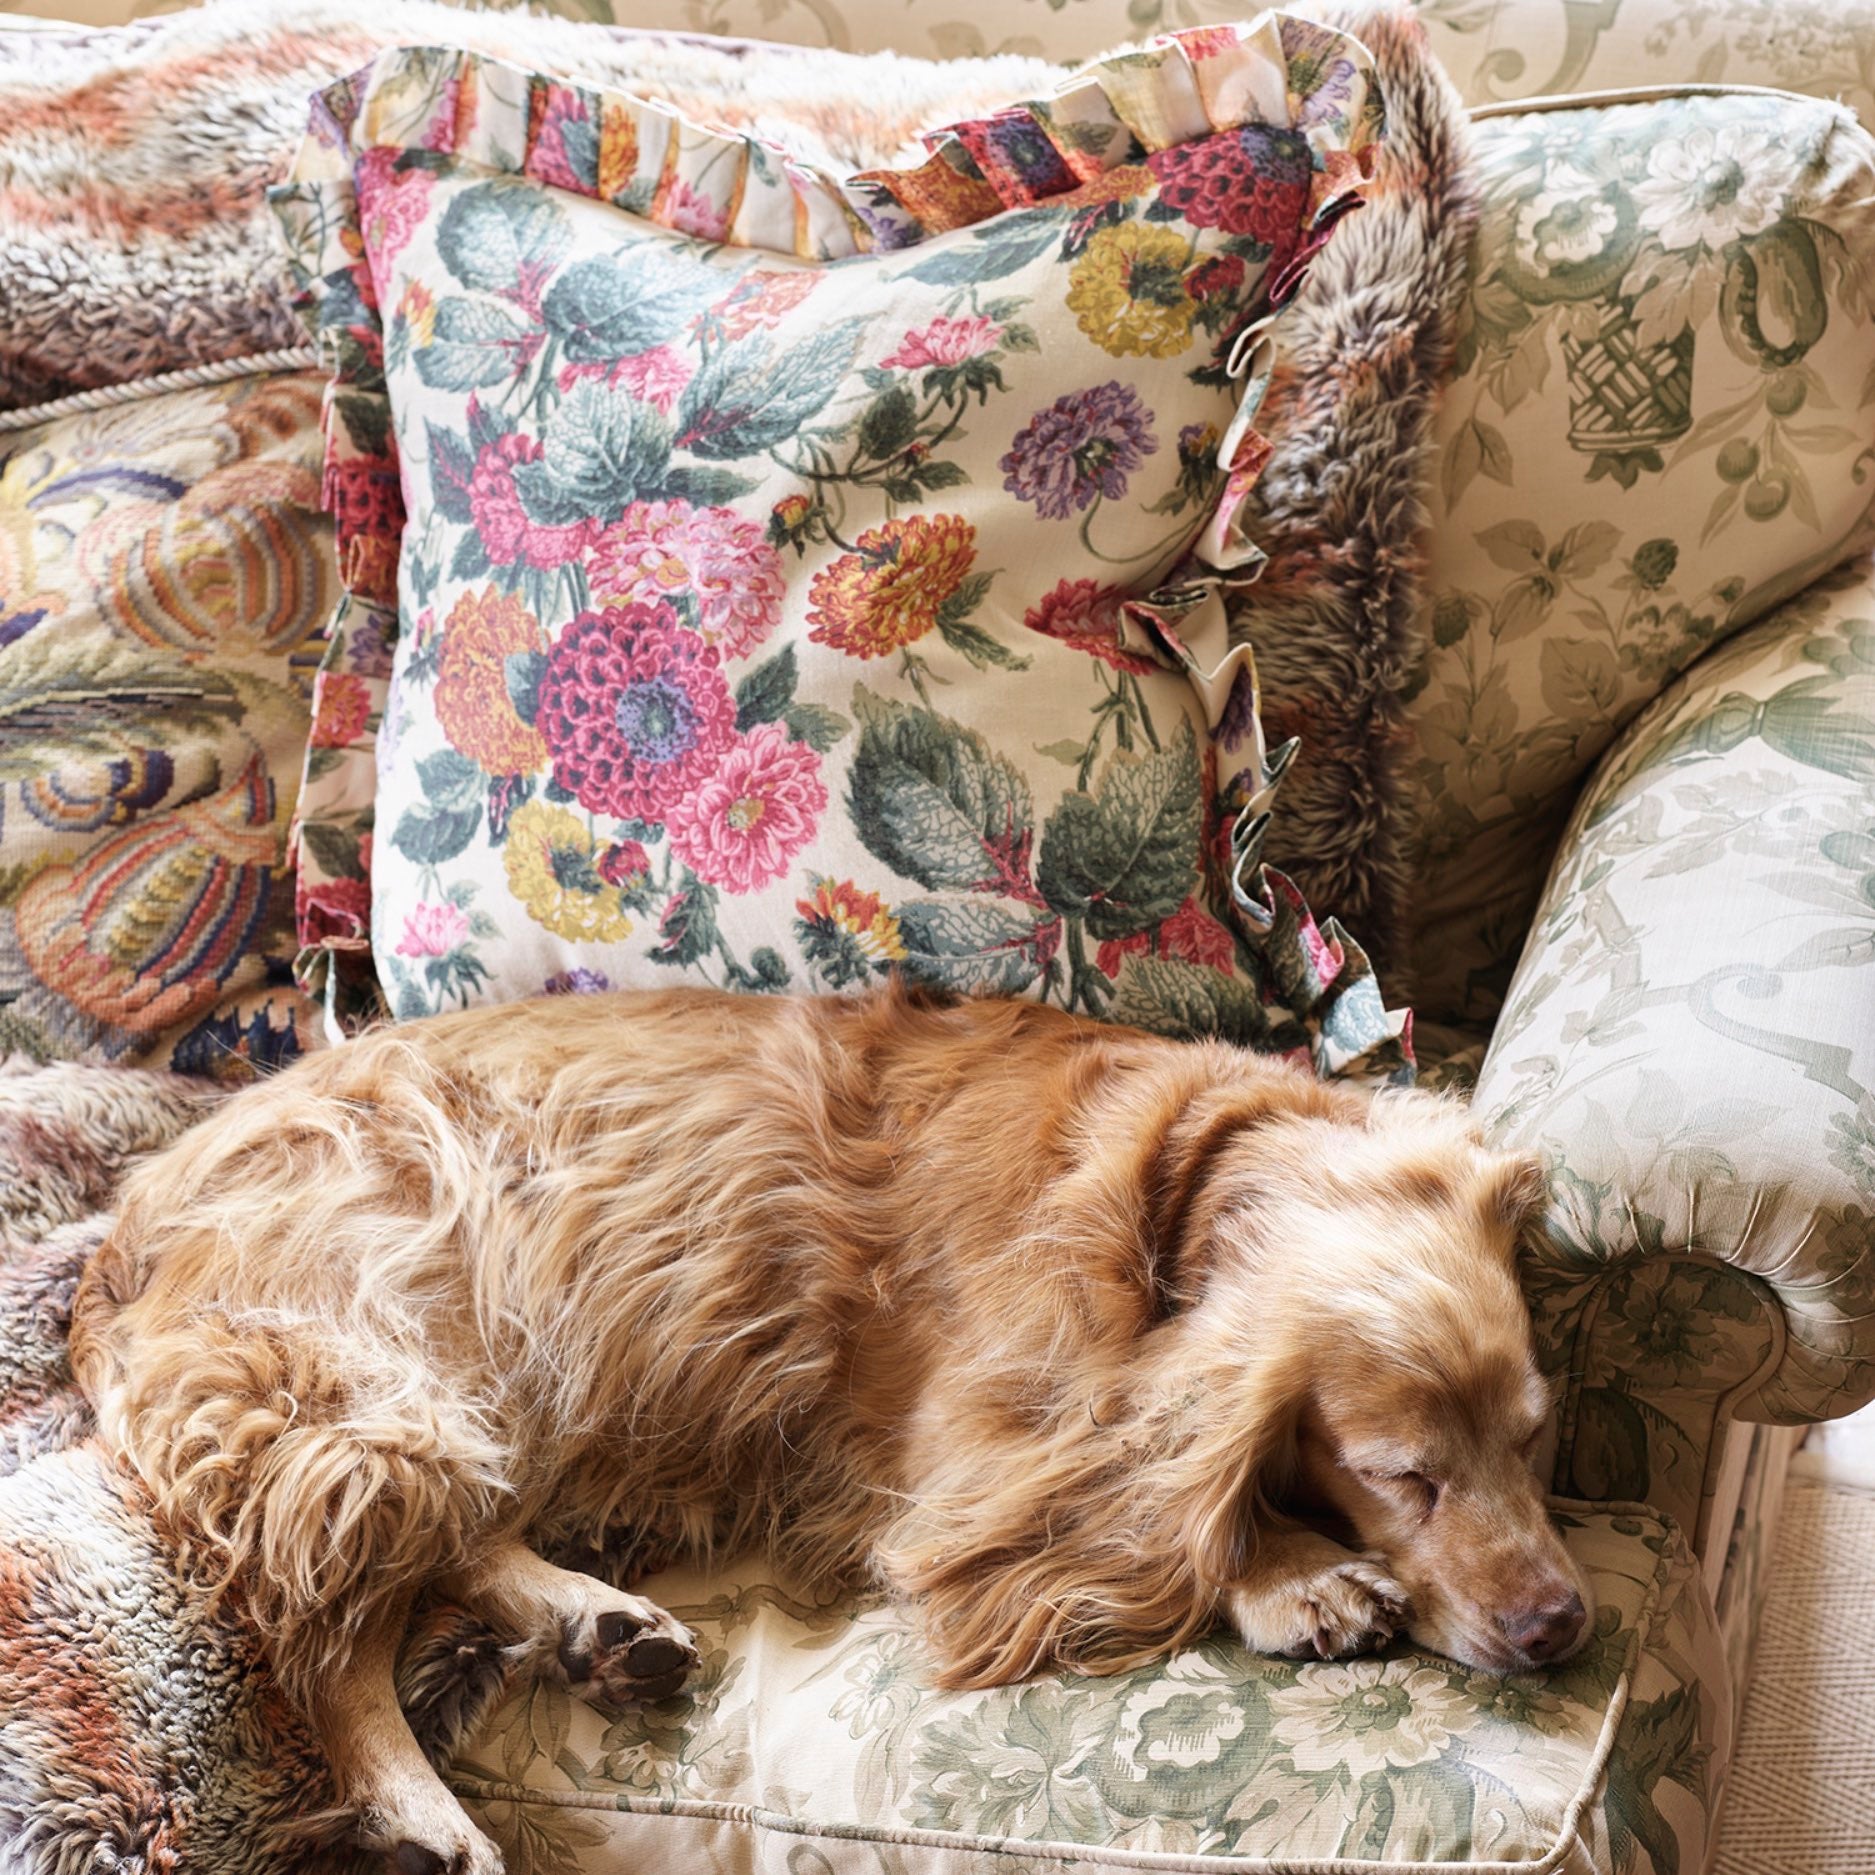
(133, 170)
(143, 1732)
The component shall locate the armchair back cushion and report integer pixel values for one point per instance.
(1659, 428)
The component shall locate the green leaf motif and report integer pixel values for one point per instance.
(493, 233)
(764, 693)
(428, 834)
(474, 346)
(687, 931)
(1609, 1458)
(991, 257)
(599, 449)
(1190, 1001)
(335, 847)
(1125, 857)
(618, 305)
(523, 671)
(816, 725)
(889, 424)
(748, 397)
(976, 946)
(933, 801)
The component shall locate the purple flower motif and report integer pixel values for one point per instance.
(1083, 445)
(577, 983)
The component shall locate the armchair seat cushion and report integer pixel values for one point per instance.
(814, 1743)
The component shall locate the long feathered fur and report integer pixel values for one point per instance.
(956, 1296)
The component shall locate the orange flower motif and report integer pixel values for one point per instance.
(341, 709)
(891, 591)
(472, 700)
(862, 916)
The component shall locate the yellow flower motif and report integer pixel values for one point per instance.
(862, 916)
(549, 859)
(1128, 291)
(419, 309)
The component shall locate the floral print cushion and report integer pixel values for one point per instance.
(1690, 1041)
(811, 576)
(1659, 427)
(166, 578)
(813, 1741)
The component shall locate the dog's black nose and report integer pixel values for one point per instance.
(1548, 1629)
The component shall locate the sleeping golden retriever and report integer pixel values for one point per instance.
(1076, 1338)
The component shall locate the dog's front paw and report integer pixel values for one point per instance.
(1348, 1607)
(628, 1654)
(474, 1855)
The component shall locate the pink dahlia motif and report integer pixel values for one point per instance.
(945, 342)
(667, 550)
(1252, 181)
(741, 828)
(690, 211)
(432, 929)
(508, 532)
(654, 377)
(634, 710)
(391, 204)
(1085, 614)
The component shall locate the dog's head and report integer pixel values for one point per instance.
(1394, 1396)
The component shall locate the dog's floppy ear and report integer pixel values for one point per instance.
(1245, 1460)
(1517, 1188)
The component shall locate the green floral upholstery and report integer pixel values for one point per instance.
(1690, 1038)
(813, 1744)
(1658, 428)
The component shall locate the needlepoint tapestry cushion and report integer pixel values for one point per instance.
(166, 579)
(799, 577)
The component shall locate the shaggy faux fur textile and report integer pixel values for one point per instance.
(134, 232)
(140, 1732)
(1362, 353)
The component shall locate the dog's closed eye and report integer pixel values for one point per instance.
(1410, 1487)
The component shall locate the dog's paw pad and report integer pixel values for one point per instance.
(625, 1657)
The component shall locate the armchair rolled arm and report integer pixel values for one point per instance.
(1690, 1041)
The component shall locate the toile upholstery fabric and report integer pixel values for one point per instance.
(1690, 1041)
(711, 658)
(1658, 428)
(166, 575)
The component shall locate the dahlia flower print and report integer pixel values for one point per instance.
(488, 639)
(634, 710)
(944, 344)
(1083, 447)
(507, 532)
(432, 929)
(341, 710)
(392, 205)
(894, 588)
(1085, 613)
(846, 935)
(1128, 291)
(1254, 181)
(549, 857)
(761, 806)
(761, 300)
(718, 571)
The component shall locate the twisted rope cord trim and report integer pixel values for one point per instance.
(189, 377)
